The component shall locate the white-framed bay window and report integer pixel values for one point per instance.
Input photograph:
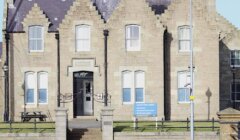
(36, 87)
(133, 38)
(35, 38)
(83, 35)
(133, 87)
(184, 38)
(183, 86)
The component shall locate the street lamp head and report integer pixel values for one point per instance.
(5, 68)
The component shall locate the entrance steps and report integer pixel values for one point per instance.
(85, 134)
(84, 129)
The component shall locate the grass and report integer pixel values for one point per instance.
(27, 127)
(166, 127)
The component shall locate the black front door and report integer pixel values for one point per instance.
(83, 93)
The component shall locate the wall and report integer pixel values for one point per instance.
(149, 59)
(27, 136)
(205, 60)
(164, 135)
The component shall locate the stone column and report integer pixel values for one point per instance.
(229, 122)
(107, 123)
(61, 124)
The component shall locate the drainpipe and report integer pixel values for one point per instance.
(6, 80)
(58, 68)
(105, 33)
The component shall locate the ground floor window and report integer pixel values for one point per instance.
(183, 86)
(133, 86)
(235, 94)
(36, 87)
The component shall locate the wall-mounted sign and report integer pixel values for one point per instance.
(145, 110)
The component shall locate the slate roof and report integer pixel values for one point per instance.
(56, 10)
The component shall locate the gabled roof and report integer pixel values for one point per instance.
(55, 10)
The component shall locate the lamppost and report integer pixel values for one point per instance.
(6, 96)
(191, 72)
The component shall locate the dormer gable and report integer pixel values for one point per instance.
(35, 17)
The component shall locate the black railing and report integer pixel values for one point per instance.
(26, 127)
(165, 125)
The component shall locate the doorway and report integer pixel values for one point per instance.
(83, 93)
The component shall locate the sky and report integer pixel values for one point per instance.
(230, 9)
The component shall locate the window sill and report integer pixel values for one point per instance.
(183, 102)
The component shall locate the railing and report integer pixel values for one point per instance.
(27, 127)
(163, 125)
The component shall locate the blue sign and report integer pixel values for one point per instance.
(145, 110)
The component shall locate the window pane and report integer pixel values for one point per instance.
(126, 95)
(29, 96)
(139, 95)
(139, 79)
(42, 95)
(30, 81)
(127, 80)
(184, 45)
(134, 32)
(132, 36)
(182, 79)
(35, 38)
(83, 38)
(43, 80)
(183, 95)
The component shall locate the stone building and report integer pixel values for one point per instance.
(72, 52)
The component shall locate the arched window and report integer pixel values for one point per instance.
(184, 38)
(83, 38)
(127, 83)
(183, 86)
(139, 86)
(35, 37)
(42, 87)
(133, 38)
(29, 87)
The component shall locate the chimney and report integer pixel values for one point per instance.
(10, 3)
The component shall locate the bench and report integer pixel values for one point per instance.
(27, 116)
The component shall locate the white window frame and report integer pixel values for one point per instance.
(34, 87)
(133, 86)
(77, 47)
(235, 81)
(38, 85)
(131, 48)
(186, 86)
(231, 58)
(180, 38)
(35, 39)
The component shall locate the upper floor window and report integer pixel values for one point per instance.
(133, 38)
(82, 38)
(235, 58)
(183, 87)
(184, 38)
(133, 86)
(35, 37)
(235, 96)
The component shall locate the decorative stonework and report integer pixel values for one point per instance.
(81, 10)
(35, 17)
